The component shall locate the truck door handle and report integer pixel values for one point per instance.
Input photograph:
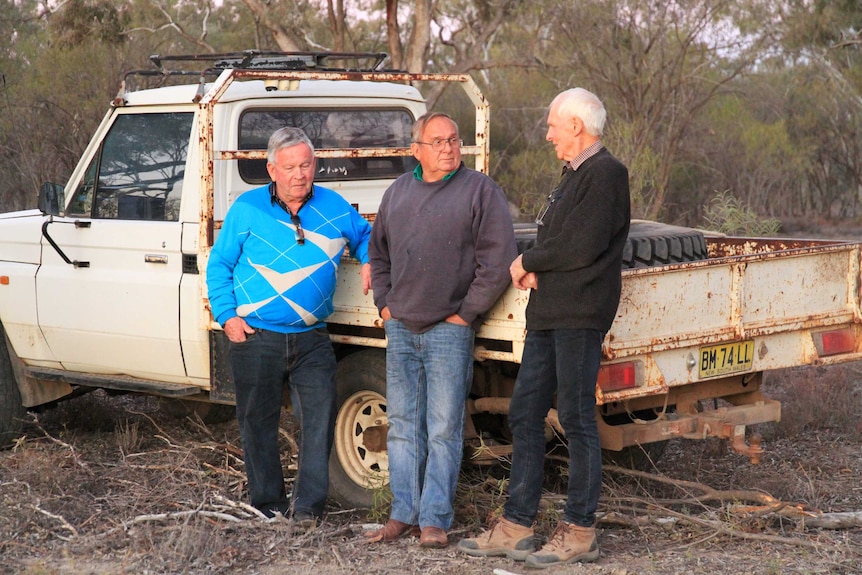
(155, 259)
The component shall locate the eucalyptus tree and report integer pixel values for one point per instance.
(657, 64)
(823, 43)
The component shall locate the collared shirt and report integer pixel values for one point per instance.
(586, 154)
(274, 199)
(417, 173)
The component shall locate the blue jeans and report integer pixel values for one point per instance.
(261, 366)
(428, 377)
(565, 361)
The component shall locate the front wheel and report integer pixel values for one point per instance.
(359, 462)
(12, 411)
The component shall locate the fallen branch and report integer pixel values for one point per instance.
(669, 517)
(179, 515)
(769, 505)
(59, 518)
(836, 520)
(708, 493)
(239, 505)
(845, 520)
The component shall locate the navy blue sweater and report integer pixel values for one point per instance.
(578, 251)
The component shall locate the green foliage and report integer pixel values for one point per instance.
(381, 504)
(688, 113)
(80, 21)
(530, 176)
(728, 215)
(643, 163)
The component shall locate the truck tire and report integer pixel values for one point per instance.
(12, 411)
(653, 244)
(359, 462)
(209, 413)
(649, 244)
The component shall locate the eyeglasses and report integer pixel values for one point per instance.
(300, 235)
(549, 201)
(438, 145)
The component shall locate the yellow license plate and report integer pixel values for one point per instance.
(726, 358)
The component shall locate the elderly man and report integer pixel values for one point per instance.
(271, 277)
(574, 273)
(440, 248)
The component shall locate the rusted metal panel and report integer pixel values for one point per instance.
(723, 423)
(668, 314)
(734, 298)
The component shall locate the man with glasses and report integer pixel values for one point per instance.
(574, 272)
(440, 248)
(271, 277)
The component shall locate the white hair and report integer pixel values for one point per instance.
(583, 104)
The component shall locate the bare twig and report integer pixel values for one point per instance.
(180, 515)
(238, 505)
(59, 518)
(71, 448)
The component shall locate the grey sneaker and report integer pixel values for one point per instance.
(504, 537)
(570, 543)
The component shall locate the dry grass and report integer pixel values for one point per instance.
(112, 485)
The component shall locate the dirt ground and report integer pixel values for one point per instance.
(106, 485)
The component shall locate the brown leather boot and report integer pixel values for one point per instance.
(570, 543)
(433, 538)
(504, 537)
(392, 531)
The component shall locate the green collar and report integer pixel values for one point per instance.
(417, 173)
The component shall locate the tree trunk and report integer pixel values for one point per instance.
(393, 34)
(282, 36)
(335, 10)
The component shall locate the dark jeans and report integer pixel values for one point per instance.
(261, 366)
(565, 361)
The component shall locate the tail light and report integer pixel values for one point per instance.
(616, 376)
(835, 341)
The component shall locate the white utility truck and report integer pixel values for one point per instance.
(103, 286)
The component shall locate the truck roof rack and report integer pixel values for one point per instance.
(267, 60)
(214, 64)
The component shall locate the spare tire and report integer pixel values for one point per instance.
(649, 244)
(654, 244)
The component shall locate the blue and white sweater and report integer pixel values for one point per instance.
(258, 271)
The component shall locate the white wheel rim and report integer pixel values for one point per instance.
(362, 411)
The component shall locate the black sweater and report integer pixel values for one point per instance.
(578, 251)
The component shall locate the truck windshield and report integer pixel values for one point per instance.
(337, 129)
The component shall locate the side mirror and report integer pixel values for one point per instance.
(51, 199)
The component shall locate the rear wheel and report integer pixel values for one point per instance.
(12, 411)
(359, 462)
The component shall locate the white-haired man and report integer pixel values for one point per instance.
(574, 274)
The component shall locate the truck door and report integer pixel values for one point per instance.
(115, 308)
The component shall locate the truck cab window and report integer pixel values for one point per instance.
(137, 173)
(336, 129)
